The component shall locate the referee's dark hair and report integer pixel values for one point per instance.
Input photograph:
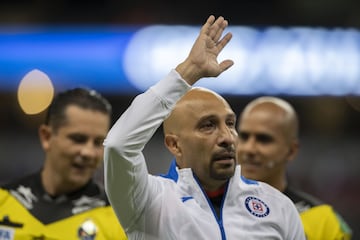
(82, 97)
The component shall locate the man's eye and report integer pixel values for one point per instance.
(99, 142)
(243, 136)
(264, 138)
(207, 125)
(231, 123)
(78, 138)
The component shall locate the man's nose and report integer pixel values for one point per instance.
(89, 149)
(227, 136)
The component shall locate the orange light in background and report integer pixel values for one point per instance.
(35, 92)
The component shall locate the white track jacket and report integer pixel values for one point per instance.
(175, 207)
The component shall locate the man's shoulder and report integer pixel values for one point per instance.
(28, 180)
(262, 187)
(24, 186)
(264, 191)
(273, 192)
(324, 222)
(302, 199)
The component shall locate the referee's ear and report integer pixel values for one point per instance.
(44, 136)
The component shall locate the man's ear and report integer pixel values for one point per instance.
(171, 142)
(293, 150)
(45, 133)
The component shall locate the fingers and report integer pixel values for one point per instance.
(226, 64)
(218, 28)
(214, 27)
(224, 41)
(202, 59)
(206, 27)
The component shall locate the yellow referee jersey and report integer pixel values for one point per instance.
(27, 212)
(320, 221)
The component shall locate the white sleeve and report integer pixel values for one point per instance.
(295, 229)
(126, 175)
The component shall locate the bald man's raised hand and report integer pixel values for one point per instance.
(202, 59)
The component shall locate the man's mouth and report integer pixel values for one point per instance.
(224, 158)
(79, 166)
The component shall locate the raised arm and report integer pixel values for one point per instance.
(127, 183)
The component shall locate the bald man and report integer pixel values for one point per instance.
(268, 133)
(203, 195)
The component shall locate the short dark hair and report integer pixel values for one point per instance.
(82, 97)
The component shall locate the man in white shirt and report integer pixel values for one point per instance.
(203, 196)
